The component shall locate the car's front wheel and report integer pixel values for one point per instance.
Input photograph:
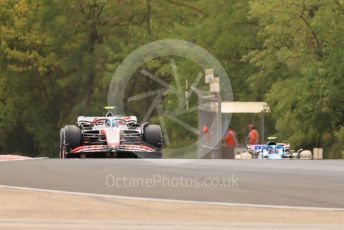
(153, 136)
(70, 138)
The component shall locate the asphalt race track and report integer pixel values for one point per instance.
(303, 183)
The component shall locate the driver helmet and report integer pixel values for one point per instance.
(114, 123)
(111, 123)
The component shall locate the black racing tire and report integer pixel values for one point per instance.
(153, 136)
(73, 137)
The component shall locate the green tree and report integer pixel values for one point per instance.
(300, 68)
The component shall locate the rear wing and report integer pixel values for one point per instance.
(91, 119)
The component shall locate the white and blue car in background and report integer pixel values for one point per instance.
(271, 150)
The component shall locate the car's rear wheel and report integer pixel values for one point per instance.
(72, 139)
(153, 136)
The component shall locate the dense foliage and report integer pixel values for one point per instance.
(57, 59)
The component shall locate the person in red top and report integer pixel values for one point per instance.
(253, 137)
(205, 129)
(231, 138)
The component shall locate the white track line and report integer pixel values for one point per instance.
(152, 225)
(24, 159)
(174, 200)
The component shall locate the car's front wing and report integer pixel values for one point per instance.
(106, 148)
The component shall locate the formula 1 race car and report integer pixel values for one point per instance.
(111, 136)
(271, 150)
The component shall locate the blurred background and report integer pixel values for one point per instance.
(57, 59)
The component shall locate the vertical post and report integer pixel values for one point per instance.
(199, 149)
(220, 131)
(263, 127)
